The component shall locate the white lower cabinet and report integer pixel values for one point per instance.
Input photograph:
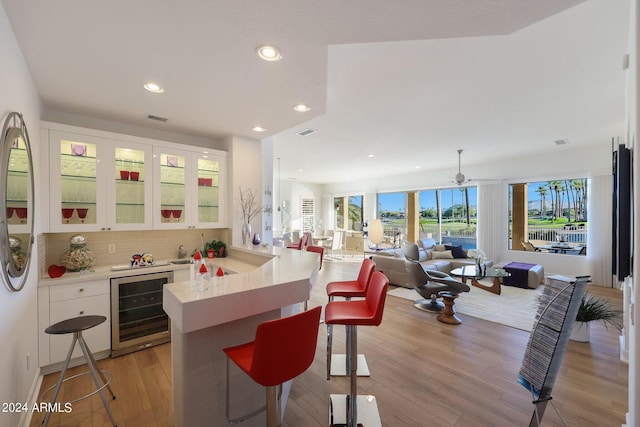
(68, 301)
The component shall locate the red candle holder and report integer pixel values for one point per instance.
(82, 213)
(166, 213)
(22, 213)
(67, 213)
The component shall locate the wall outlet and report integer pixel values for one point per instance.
(112, 248)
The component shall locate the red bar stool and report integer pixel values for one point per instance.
(318, 250)
(347, 289)
(283, 349)
(366, 312)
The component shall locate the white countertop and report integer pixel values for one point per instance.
(266, 279)
(236, 262)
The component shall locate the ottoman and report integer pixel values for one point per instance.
(532, 279)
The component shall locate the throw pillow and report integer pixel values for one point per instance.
(439, 248)
(441, 255)
(457, 251)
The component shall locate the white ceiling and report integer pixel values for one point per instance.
(410, 82)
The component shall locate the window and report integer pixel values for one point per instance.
(449, 216)
(352, 214)
(308, 214)
(392, 214)
(549, 216)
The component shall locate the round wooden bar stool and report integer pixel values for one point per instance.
(354, 313)
(75, 326)
(283, 349)
(347, 289)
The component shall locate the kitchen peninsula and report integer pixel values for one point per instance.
(268, 283)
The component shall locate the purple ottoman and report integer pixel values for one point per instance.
(523, 275)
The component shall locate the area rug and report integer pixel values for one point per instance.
(514, 307)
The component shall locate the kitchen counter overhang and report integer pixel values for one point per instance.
(283, 279)
(272, 284)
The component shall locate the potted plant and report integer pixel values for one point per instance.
(591, 309)
(218, 248)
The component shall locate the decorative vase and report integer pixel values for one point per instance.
(246, 233)
(580, 331)
(256, 239)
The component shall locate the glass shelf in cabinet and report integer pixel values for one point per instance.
(129, 162)
(78, 177)
(17, 173)
(78, 158)
(177, 184)
(129, 204)
(171, 167)
(208, 206)
(73, 202)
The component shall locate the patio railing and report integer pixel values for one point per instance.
(567, 234)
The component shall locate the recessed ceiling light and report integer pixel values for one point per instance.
(269, 53)
(301, 108)
(371, 155)
(153, 87)
(258, 129)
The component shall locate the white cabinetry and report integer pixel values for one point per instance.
(102, 181)
(61, 302)
(190, 188)
(98, 183)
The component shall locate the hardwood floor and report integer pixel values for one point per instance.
(423, 373)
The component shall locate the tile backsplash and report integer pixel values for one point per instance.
(162, 244)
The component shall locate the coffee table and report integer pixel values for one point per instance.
(469, 272)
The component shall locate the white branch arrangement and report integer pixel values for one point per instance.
(249, 204)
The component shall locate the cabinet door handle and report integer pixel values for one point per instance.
(81, 312)
(81, 290)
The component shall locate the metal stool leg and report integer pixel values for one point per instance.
(329, 345)
(99, 371)
(352, 363)
(59, 383)
(89, 357)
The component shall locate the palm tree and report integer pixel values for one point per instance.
(542, 192)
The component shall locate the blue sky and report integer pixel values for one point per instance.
(395, 201)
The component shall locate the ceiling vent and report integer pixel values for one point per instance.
(306, 132)
(157, 118)
(561, 142)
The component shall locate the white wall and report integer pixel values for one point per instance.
(245, 170)
(18, 310)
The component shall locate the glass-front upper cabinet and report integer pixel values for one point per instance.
(98, 184)
(190, 190)
(131, 207)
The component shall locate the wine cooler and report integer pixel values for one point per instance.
(138, 320)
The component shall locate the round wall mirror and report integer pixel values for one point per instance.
(16, 202)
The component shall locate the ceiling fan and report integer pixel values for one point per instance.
(460, 178)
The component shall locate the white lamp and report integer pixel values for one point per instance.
(375, 232)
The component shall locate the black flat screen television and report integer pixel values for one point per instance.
(622, 237)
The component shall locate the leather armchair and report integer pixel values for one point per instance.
(429, 283)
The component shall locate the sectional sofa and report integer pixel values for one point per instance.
(430, 255)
